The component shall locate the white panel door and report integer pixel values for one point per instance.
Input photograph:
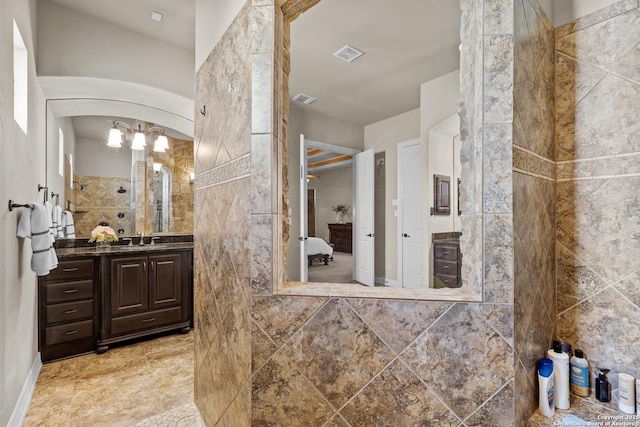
(410, 214)
(304, 268)
(363, 218)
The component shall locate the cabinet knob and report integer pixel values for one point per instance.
(71, 332)
(69, 270)
(70, 291)
(70, 311)
(151, 319)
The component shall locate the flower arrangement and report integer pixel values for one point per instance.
(341, 209)
(103, 234)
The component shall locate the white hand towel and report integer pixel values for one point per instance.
(50, 214)
(58, 216)
(68, 227)
(34, 224)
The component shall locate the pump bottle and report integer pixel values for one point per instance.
(603, 388)
(560, 376)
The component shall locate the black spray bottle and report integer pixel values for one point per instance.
(603, 388)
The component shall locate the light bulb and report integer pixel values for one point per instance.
(138, 141)
(115, 138)
(163, 142)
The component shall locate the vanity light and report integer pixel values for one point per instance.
(161, 144)
(138, 141)
(138, 138)
(115, 137)
(157, 167)
(192, 177)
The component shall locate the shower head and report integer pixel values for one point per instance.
(82, 186)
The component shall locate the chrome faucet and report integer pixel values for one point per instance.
(141, 234)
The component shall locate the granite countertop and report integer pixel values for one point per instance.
(450, 237)
(74, 248)
(121, 249)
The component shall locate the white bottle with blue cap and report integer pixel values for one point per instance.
(545, 390)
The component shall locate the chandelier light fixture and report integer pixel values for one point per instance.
(138, 137)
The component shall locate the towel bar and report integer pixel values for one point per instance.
(17, 205)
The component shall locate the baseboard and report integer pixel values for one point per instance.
(22, 405)
(386, 282)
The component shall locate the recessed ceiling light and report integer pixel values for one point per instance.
(156, 16)
(304, 99)
(348, 53)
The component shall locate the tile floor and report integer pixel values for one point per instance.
(148, 383)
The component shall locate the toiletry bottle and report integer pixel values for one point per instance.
(579, 374)
(626, 394)
(545, 387)
(560, 376)
(603, 388)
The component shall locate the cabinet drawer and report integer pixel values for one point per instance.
(69, 332)
(446, 252)
(69, 311)
(76, 269)
(150, 319)
(449, 281)
(449, 268)
(68, 291)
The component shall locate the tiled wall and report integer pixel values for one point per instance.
(533, 198)
(264, 359)
(222, 230)
(598, 203)
(100, 201)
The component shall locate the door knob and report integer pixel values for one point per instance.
(405, 235)
(370, 235)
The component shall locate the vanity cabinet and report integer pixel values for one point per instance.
(68, 309)
(446, 265)
(145, 294)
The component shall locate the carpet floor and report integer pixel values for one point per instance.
(340, 270)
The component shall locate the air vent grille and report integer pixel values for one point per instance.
(304, 99)
(348, 53)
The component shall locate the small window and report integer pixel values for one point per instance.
(20, 80)
(70, 170)
(60, 152)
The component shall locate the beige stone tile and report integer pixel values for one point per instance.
(398, 322)
(281, 395)
(281, 316)
(337, 351)
(497, 411)
(262, 347)
(397, 397)
(463, 383)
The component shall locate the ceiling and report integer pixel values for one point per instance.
(405, 44)
(177, 26)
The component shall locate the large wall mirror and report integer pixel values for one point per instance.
(373, 151)
(146, 191)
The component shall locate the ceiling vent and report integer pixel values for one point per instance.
(156, 16)
(348, 53)
(304, 99)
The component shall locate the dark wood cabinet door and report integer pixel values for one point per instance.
(165, 280)
(129, 289)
